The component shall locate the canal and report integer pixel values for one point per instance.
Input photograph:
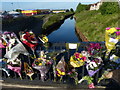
(66, 33)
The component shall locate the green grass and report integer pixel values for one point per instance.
(50, 19)
(92, 24)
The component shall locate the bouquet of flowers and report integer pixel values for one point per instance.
(28, 70)
(30, 40)
(89, 80)
(43, 38)
(61, 68)
(112, 36)
(42, 65)
(3, 66)
(94, 49)
(93, 65)
(77, 60)
(73, 74)
(15, 65)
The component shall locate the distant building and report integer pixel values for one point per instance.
(35, 12)
(30, 12)
(58, 11)
(45, 11)
(15, 14)
(95, 6)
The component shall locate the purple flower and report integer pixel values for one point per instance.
(6, 32)
(117, 33)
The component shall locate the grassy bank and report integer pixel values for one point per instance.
(38, 23)
(51, 19)
(92, 24)
(21, 23)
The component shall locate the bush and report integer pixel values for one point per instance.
(82, 7)
(109, 8)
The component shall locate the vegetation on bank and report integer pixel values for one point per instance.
(82, 7)
(93, 23)
(20, 23)
(51, 19)
(30, 22)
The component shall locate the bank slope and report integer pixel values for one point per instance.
(92, 24)
(51, 20)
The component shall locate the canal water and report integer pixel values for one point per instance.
(66, 33)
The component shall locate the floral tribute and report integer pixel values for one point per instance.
(77, 60)
(61, 67)
(28, 70)
(93, 65)
(91, 58)
(73, 74)
(94, 48)
(112, 36)
(15, 66)
(43, 65)
(29, 38)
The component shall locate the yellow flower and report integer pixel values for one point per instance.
(45, 39)
(81, 61)
(59, 75)
(62, 73)
(40, 64)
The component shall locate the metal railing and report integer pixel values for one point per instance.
(68, 52)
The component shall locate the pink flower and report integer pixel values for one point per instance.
(117, 28)
(84, 58)
(69, 73)
(15, 69)
(49, 62)
(77, 55)
(91, 85)
(107, 28)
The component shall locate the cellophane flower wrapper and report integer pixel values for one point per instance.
(94, 66)
(77, 60)
(61, 67)
(3, 66)
(43, 65)
(112, 36)
(28, 70)
(73, 74)
(89, 80)
(29, 39)
(15, 66)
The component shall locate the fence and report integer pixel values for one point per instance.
(66, 52)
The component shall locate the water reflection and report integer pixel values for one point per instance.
(66, 32)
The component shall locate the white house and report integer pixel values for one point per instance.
(95, 6)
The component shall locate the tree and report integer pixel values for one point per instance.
(109, 8)
(18, 10)
(71, 10)
(67, 10)
(82, 7)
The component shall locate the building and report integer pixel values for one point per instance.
(15, 14)
(58, 11)
(31, 12)
(95, 6)
(45, 11)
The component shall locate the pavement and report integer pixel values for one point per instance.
(9, 84)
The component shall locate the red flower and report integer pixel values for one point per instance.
(84, 58)
(91, 85)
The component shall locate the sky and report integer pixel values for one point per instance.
(9, 5)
